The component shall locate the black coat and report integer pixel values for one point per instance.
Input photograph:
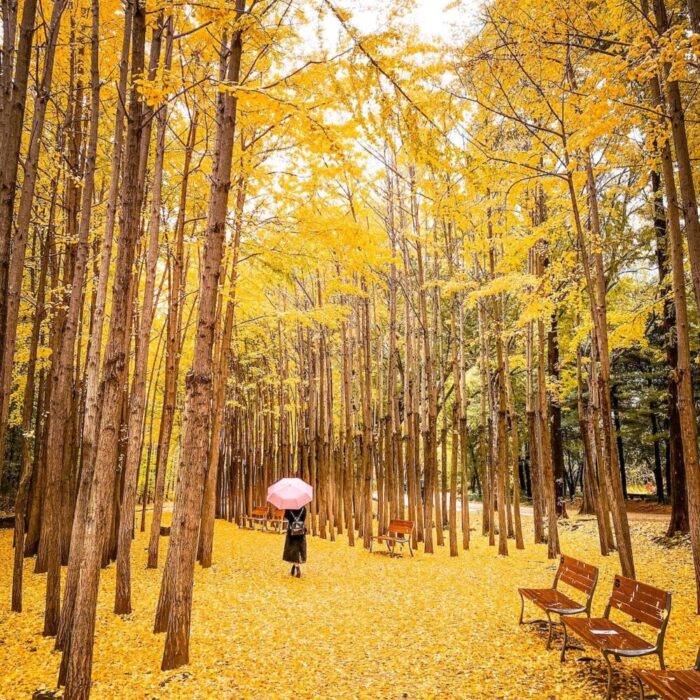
(295, 546)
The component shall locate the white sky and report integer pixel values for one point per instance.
(432, 18)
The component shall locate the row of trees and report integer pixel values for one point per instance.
(406, 272)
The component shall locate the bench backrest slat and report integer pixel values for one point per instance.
(259, 511)
(577, 574)
(401, 527)
(640, 601)
(279, 513)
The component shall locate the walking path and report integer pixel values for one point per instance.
(355, 625)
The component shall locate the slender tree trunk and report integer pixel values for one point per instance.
(137, 397)
(172, 352)
(206, 535)
(9, 306)
(555, 410)
(13, 85)
(78, 649)
(683, 375)
(92, 367)
(604, 534)
(596, 289)
(514, 455)
(26, 471)
(676, 114)
(175, 602)
(367, 438)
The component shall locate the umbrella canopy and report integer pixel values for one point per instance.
(290, 494)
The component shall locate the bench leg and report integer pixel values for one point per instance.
(662, 663)
(562, 658)
(641, 688)
(522, 608)
(551, 630)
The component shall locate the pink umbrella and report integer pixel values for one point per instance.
(290, 494)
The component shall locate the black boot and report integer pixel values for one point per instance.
(298, 572)
(293, 571)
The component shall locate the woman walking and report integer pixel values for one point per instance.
(293, 495)
(295, 542)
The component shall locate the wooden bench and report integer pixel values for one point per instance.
(672, 685)
(574, 573)
(642, 603)
(399, 534)
(278, 522)
(259, 515)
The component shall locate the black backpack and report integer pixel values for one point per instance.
(297, 527)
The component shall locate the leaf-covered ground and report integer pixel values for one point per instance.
(356, 626)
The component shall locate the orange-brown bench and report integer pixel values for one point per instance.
(672, 685)
(259, 516)
(639, 601)
(278, 522)
(399, 534)
(575, 574)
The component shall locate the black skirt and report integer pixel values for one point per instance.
(295, 545)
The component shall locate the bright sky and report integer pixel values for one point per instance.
(432, 17)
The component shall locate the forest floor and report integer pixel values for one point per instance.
(355, 626)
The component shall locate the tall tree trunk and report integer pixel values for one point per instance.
(367, 437)
(683, 374)
(514, 455)
(13, 82)
(596, 289)
(546, 452)
(137, 397)
(604, 534)
(534, 445)
(172, 350)
(27, 464)
(429, 428)
(555, 410)
(78, 647)
(175, 601)
(618, 439)
(206, 535)
(92, 367)
(675, 467)
(9, 306)
(676, 114)
(62, 364)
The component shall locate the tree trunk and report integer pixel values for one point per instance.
(683, 376)
(172, 351)
(9, 306)
(77, 659)
(137, 397)
(26, 471)
(555, 409)
(618, 439)
(175, 601)
(15, 75)
(206, 535)
(676, 114)
(596, 293)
